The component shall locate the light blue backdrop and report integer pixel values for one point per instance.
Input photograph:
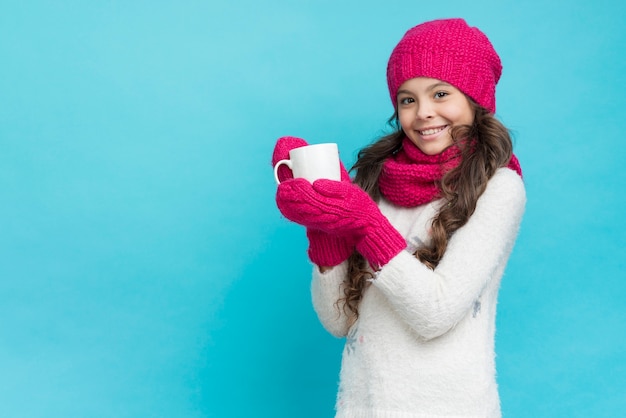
(144, 269)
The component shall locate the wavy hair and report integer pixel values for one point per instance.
(485, 146)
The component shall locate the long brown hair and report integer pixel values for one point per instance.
(485, 146)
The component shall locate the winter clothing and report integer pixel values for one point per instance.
(410, 177)
(324, 249)
(448, 50)
(423, 345)
(342, 209)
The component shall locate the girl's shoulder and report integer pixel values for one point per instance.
(506, 185)
(507, 173)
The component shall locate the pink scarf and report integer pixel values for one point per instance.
(410, 177)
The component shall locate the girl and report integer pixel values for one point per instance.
(410, 255)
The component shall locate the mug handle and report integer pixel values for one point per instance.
(278, 164)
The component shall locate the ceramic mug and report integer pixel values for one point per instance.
(312, 162)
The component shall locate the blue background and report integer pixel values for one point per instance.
(144, 269)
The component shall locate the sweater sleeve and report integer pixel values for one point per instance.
(434, 301)
(326, 289)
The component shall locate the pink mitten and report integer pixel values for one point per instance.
(341, 209)
(324, 249)
(281, 152)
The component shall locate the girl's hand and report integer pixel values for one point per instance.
(338, 208)
(342, 209)
(281, 152)
(325, 250)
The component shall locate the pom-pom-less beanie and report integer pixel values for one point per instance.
(451, 51)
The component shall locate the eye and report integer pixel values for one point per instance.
(405, 100)
(441, 94)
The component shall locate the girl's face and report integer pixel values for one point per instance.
(428, 108)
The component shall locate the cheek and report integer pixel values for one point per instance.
(464, 115)
(405, 119)
(464, 120)
(459, 117)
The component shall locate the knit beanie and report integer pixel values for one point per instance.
(451, 51)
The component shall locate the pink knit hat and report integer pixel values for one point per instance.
(451, 51)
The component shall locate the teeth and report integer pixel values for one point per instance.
(431, 131)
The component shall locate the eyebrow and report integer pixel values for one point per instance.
(429, 88)
(439, 84)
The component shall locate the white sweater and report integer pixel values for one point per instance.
(423, 345)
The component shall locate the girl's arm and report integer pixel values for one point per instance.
(326, 289)
(432, 302)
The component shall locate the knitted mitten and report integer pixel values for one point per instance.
(342, 209)
(324, 249)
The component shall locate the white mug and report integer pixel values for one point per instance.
(312, 162)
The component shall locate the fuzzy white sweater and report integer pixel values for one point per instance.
(423, 345)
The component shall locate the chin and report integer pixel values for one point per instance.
(432, 150)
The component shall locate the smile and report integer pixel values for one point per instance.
(432, 131)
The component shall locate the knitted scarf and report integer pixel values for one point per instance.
(410, 178)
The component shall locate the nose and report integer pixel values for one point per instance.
(424, 110)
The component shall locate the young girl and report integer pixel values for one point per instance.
(409, 255)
